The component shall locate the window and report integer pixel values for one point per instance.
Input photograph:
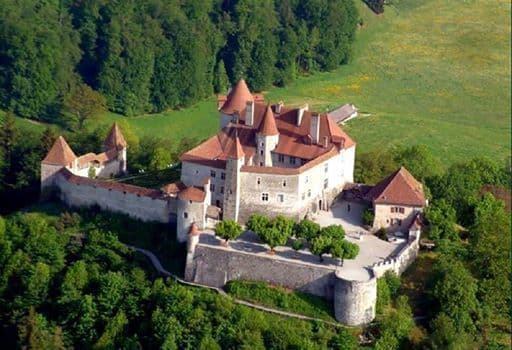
(326, 183)
(280, 198)
(264, 197)
(197, 172)
(402, 210)
(307, 179)
(212, 173)
(284, 183)
(261, 152)
(261, 163)
(280, 158)
(309, 193)
(292, 160)
(399, 222)
(392, 209)
(223, 176)
(212, 187)
(303, 195)
(303, 161)
(185, 215)
(262, 144)
(326, 167)
(258, 180)
(222, 189)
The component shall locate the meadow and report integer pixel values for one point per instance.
(428, 72)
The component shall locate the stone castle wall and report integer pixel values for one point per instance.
(353, 300)
(215, 266)
(403, 259)
(137, 206)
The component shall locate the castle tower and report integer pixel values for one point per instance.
(267, 138)
(235, 103)
(115, 140)
(59, 156)
(235, 160)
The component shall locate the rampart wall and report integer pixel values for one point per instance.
(138, 206)
(353, 300)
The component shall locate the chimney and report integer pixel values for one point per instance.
(314, 128)
(249, 113)
(300, 113)
(279, 106)
(236, 117)
(326, 142)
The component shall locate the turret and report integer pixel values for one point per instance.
(267, 138)
(237, 100)
(115, 140)
(60, 156)
(235, 158)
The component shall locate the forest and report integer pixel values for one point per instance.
(149, 56)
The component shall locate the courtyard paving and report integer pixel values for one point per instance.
(372, 250)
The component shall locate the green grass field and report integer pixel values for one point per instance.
(431, 72)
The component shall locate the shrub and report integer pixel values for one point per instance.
(382, 233)
(228, 229)
(368, 217)
(321, 245)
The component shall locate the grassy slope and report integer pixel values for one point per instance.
(279, 297)
(433, 72)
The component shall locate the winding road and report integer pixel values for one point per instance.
(160, 269)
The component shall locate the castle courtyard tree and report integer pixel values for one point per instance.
(228, 230)
(321, 245)
(307, 229)
(274, 235)
(257, 223)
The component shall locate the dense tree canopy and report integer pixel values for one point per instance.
(149, 56)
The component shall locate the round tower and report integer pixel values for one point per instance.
(355, 296)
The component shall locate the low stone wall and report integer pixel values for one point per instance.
(403, 258)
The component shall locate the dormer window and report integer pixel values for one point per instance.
(292, 160)
(280, 158)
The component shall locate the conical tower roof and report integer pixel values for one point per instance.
(60, 153)
(268, 125)
(237, 98)
(114, 139)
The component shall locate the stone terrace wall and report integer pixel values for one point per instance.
(138, 206)
(215, 266)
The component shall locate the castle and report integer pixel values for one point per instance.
(265, 158)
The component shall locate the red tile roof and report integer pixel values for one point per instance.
(193, 194)
(237, 98)
(114, 139)
(173, 188)
(294, 140)
(60, 153)
(268, 125)
(399, 188)
(235, 151)
(100, 158)
(110, 185)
